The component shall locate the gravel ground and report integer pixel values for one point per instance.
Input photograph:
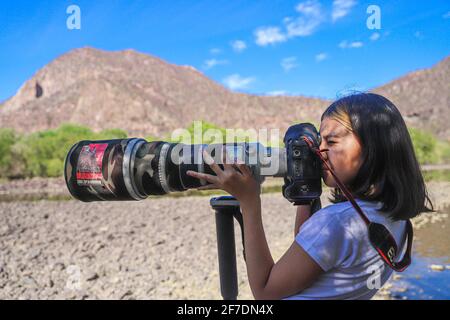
(160, 248)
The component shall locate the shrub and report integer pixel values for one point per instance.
(424, 146)
(43, 153)
(7, 140)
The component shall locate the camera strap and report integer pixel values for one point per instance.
(380, 237)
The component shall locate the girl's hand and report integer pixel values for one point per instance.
(236, 179)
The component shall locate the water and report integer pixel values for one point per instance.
(431, 246)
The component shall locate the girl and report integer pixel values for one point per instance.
(370, 150)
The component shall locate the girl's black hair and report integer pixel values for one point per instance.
(390, 172)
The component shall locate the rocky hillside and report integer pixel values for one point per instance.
(142, 95)
(423, 97)
(145, 95)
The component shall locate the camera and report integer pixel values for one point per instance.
(134, 169)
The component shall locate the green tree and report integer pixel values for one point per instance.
(424, 146)
(7, 140)
(43, 153)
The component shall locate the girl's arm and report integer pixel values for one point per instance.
(303, 214)
(295, 271)
(258, 258)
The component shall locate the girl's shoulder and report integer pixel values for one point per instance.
(345, 208)
(344, 216)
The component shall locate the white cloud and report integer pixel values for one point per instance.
(289, 63)
(235, 81)
(269, 35)
(375, 36)
(210, 63)
(309, 8)
(238, 45)
(310, 17)
(215, 51)
(277, 93)
(343, 44)
(341, 8)
(349, 45)
(321, 56)
(419, 35)
(356, 44)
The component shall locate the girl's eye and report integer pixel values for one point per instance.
(331, 142)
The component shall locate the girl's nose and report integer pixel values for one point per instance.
(321, 147)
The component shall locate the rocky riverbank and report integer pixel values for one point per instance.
(160, 248)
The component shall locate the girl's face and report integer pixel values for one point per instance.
(344, 155)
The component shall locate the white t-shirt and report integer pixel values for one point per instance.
(337, 239)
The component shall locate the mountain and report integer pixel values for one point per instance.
(145, 95)
(142, 95)
(423, 98)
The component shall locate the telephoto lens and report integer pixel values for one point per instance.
(133, 169)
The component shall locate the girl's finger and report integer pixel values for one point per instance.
(208, 187)
(210, 161)
(231, 164)
(244, 169)
(210, 178)
(227, 162)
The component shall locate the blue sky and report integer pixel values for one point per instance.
(314, 48)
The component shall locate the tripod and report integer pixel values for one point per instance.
(227, 208)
